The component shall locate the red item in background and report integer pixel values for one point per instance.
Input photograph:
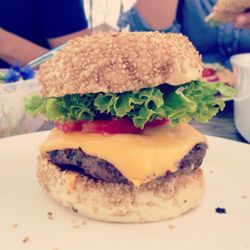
(208, 72)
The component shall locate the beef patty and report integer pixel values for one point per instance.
(99, 169)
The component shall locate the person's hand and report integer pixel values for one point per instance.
(243, 21)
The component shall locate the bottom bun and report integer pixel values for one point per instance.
(161, 199)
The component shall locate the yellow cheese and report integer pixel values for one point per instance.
(140, 158)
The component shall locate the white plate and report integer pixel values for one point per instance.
(23, 202)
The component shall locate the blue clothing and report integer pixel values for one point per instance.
(215, 43)
(39, 20)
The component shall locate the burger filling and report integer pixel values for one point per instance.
(132, 111)
(98, 169)
(89, 135)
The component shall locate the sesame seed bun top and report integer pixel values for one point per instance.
(226, 11)
(118, 62)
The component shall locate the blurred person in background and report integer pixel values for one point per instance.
(29, 28)
(216, 43)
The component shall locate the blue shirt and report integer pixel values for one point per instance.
(215, 43)
(39, 20)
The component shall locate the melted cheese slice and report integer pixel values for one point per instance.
(140, 158)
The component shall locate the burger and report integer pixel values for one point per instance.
(226, 11)
(121, 149)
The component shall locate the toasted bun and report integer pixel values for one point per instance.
(161, 199)
(118, 62)
(226, 11)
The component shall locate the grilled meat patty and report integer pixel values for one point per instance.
(99, 169)
(91, 166)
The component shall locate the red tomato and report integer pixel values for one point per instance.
(207, 72)
(119, 126)
(155, 123)
(113, 126)
(69, 126)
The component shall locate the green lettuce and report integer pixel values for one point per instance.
(214, 22)
(195, 100)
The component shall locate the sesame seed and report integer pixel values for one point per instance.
(26, 239)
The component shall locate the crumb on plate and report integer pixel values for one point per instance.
(171, 227)
(26, 239)
(50, 215)
(220, 210)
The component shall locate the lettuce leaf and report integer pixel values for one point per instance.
(195, 100)
(214, 22)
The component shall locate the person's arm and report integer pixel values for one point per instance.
(158, 14)
(15, 49)
(243, 21)
(54, 42)
(62, 20)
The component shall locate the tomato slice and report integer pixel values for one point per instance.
(113, 126)
(69, 126)
(156, 123)
(119, 126)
